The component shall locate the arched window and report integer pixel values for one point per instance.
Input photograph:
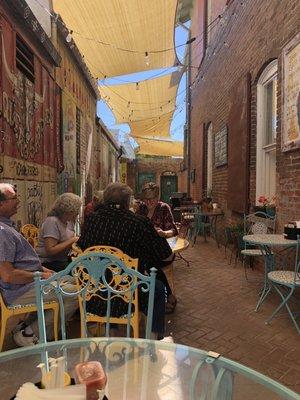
(266, 131)
(209, 159)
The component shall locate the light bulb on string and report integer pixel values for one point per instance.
(147, 58)
(69, 37)
(137, 86)
(128, 104)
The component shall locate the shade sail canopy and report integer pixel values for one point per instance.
(143, 100)
(102, 28)
(155, 127)
(159, 147)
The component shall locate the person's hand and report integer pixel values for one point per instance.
(45, 269)
(160, 232)
(47, 274)
(75, 239)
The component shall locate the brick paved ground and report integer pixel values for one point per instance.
(215, 311)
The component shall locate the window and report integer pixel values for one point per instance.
(209, 159)
(266, 131)
(208, 21)
(24, 59)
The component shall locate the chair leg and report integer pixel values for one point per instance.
(245, 268)
(55, 323)
(284, 303)
(2, 333)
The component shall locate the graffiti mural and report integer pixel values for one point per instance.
(67, 179)
(34, 203)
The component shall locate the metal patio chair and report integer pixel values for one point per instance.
(97, 275)
(256, 223)
(31, 234)
(285, 283)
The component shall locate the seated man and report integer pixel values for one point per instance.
(113, 224)
(18, 263)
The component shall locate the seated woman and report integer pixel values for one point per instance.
(160, 215)
(57, 232)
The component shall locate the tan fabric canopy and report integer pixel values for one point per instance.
(158, 127)
(145, 100)
(137, 26)
(159, 147)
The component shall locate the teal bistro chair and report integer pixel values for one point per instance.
(96, 276)
(202, 226)
(256, 223)
(285, 283)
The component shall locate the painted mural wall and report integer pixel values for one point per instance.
(28, 127)
(78, 174)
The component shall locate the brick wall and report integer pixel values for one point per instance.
(157, 165)
(253, 33)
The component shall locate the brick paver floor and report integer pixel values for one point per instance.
(215, 311)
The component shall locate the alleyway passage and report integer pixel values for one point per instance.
(215, 311)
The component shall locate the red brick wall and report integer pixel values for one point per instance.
(253, 33)
(155, 165)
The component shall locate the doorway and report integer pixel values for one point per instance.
(168, 185)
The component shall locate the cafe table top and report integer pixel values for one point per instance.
(145, 369)
(270, 239)
(178, 244)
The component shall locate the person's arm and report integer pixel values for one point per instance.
(10, 274)
(166, 234)
(167, 227)
(53, 247)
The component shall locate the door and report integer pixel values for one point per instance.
(143, 178)
(168, 185)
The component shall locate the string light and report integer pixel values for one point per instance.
(128, 104)
(147, 58)
(137, 86)
(69, 37)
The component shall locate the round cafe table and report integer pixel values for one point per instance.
(143, 369)
(178, 244)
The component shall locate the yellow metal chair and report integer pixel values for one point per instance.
(129, 263)
(18, 309)
(31, 234)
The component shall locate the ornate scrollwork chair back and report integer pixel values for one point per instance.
(101, 277)
(31, 234)
(257, 223)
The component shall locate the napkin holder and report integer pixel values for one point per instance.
(291, 232)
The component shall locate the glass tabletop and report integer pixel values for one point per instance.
(143, 369)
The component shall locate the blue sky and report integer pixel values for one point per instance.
(177, 125)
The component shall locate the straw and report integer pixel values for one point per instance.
(60, 372)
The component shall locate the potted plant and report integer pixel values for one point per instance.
(266, 205)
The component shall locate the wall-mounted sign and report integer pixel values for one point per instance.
(291, 95)
(221, 147)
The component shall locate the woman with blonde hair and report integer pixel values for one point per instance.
(57, 232)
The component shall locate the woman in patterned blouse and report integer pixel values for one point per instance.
(162, 219)
(158, 212)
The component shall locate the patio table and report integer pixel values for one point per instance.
(145, 369)
(266, 242)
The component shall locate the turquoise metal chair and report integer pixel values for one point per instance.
(256, 223)
(285, 283)
(101, 275)
(202, 226)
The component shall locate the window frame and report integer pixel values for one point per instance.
(263, 151)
